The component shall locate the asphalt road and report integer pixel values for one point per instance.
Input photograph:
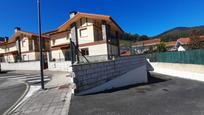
(164, 95)
(10, 92)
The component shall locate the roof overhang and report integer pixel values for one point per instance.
(67, 25)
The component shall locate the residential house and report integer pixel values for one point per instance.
(92, 35)
(23, 46)
(142, 46)
(2, 39)
(171, 46)
(182, 44)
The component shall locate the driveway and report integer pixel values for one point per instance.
(10, 92)
(164, 95)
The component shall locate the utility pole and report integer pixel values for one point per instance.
(40, 47)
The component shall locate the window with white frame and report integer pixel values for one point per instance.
(83, 32)
(23, 43)
(53, 42)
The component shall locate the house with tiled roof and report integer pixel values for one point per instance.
(145, 45)
(171, 46)
(93, 35)
(22, 46)
(182, 44)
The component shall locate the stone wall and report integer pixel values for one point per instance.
(87, 76)
(35, 65)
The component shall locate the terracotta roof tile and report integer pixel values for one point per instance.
(169, 44)
(79, 15)
(188, 40)
(184, 40)
(148, 42)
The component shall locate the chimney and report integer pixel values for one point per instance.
(72, 14)
(5, 39)
(17, 29)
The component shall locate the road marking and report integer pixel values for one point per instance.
(31, 79)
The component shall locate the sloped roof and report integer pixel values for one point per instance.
(148, 42)
(169, 44)
(188, 40)
(79, 15)
(184, 40)
(20, 32)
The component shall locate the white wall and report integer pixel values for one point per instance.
(186, 71)
(100, 49)
(2, 49)
(26, 44)
(179, 67)
(21, 66)
(60, 38)
(57, 54)
(9, 58)
(29, 56)
(90, 35)
(59, 66)
(12, 47)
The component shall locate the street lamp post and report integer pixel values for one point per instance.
(40, 46)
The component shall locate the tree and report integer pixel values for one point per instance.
(195, 40)
(161, 47)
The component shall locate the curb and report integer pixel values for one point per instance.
(11, 109)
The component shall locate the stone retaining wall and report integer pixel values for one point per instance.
(87, 76)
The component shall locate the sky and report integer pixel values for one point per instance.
(144, 17)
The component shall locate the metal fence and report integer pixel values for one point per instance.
(187, 57)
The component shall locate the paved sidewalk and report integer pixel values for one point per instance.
(53, 101)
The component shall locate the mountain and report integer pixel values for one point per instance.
(175, 33)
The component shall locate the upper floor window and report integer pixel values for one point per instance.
(23, 43)
(83, 32)
(53, 42)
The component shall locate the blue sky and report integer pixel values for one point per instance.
(149, 17)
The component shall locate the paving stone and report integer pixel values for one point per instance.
(47, 102)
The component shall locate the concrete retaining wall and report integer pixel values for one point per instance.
(35, 65)
(88, 76)
(186, 71)
(179, 67)
(59, 66)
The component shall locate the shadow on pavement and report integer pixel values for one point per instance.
(151, 80)
(3, 72)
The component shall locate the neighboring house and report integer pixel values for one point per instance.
(23, 46)
(2, 51)
(95, 35)
(143, 46)
(170, 46)
(183, 43)
(2, 39)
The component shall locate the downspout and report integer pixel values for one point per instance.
(19, 49)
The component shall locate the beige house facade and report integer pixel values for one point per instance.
(22, 46)
(91, 35)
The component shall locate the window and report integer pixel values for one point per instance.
(24, 57)
(53, 42)
(23, 43)
(85, 51)
(83, 32)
